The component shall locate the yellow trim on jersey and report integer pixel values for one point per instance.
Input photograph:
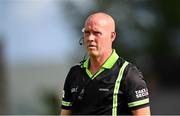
(137, 103)
(65, 103)
(116, 89)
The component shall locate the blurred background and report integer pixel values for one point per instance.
(39, 43)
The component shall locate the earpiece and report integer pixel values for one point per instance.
(81, 41)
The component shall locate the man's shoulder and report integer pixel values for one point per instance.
(74, 71)
(130, 68)
(133, 72)
(76, 67)
(121, 61)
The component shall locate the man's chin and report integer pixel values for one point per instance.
(93, 53)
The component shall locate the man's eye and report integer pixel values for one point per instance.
(86, 32)
(97, 33)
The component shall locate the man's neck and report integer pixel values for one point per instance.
(97, 62)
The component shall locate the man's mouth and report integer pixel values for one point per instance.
(91, 46)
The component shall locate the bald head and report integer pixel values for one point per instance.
(101, 19)
(99, 34)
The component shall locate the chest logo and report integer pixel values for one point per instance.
(103, 89)
(75, 89)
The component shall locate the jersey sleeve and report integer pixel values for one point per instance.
(136, 89)
(66, 96)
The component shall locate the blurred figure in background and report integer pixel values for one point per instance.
(104, 83)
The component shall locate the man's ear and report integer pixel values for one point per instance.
(113, 36)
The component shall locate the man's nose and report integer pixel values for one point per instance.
(91, 37)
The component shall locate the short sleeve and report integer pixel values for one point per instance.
(136, 89)
(66, 96)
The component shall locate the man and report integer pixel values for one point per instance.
(104, 84)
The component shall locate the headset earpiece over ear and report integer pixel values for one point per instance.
(81, 41)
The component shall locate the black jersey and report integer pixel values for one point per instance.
(116, 89)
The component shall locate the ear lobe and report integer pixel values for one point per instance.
(113, 36)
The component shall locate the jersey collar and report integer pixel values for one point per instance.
(108, 63)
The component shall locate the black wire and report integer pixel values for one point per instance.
(81, 41)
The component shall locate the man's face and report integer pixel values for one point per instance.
(97, 37)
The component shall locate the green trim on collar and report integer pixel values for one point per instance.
(86, 63)
(107, 65)
(111, 60)
(89, 73)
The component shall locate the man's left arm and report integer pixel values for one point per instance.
(142, 111)
(137, 92)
